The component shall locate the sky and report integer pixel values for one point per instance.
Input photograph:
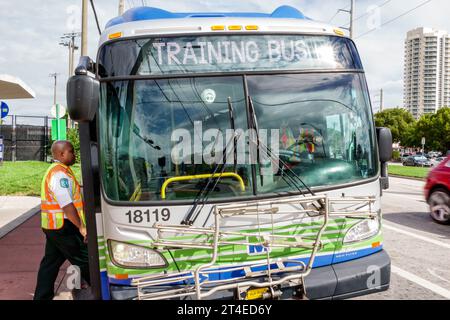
(31, 31)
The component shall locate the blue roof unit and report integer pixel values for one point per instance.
(151, 13)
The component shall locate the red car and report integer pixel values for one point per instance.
(437, 192)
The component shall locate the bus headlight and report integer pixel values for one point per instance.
(135, 257)
(362, 231)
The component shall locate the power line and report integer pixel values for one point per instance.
(335, 15)
(369, 12)
(396, 18)
(96, 17)
(337, 12)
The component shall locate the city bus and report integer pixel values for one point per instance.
(230, 156)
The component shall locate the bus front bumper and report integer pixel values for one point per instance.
(346, 280)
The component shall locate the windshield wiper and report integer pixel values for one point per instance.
(294, 178)
(233, 127)
(254, 125)
(206, 190)
(259, 143)
(148, 141)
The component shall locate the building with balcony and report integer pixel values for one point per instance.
(427, 71)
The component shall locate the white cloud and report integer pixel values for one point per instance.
(31, 30)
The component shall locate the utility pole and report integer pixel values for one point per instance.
(351, 12)
(121, 7)
(68, 40)
(381, 100)
(84, 28)
(352, 18)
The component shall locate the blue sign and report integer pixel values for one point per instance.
(4, 110)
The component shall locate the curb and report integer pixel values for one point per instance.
(408, 178)
(19, 221)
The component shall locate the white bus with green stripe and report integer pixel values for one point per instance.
(230, 156)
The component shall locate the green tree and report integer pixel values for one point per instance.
(435, 128)
(400, 121)
(442, 129)
(73, 136)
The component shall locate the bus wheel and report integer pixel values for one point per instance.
(440, 206)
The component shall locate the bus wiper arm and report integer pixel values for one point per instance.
(255, 126)
(292, 175)
(205, 191)
(233, 127)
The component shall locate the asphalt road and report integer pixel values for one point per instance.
(419, 248)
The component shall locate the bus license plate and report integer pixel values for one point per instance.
(256, 294)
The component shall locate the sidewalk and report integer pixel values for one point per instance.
(22, 244)
(16, 210)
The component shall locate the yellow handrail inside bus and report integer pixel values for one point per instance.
(201, 177)
(137, 194)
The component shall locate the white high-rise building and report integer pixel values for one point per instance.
(427, 71)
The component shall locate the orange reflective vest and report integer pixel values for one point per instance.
(52, 215)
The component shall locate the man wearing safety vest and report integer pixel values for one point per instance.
(62, 220)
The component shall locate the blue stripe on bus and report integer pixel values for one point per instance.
(320, 261)
(106, 295)
(151, 13)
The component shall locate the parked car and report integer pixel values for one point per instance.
(437, 161)
(434, 154)
(417, 161)
(437, 192)
(405, 156)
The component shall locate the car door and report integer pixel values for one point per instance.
(410, 161)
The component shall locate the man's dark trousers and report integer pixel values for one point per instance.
(61, 245)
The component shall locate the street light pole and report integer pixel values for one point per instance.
(55, 76)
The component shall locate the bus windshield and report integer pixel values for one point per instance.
(163, 138)
(224, 54)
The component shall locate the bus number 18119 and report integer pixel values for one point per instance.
(139, 216)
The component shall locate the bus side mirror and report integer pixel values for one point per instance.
(384, 136)
(83, 92)
(385, 144)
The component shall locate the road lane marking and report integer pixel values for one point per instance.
(421, 282)
(419, 237)
(433, 273)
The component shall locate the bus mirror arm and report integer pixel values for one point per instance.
(84, 66)
(384, 136)
(83, 92)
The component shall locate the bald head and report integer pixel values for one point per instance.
(63, 152)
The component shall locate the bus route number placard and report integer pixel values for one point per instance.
(139, 216)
